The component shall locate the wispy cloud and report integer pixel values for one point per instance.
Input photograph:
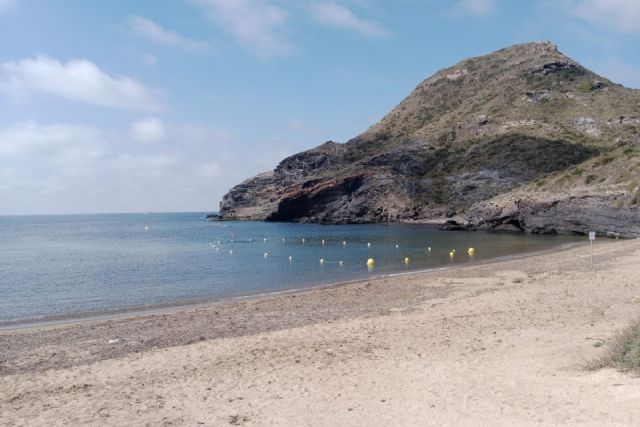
(78, 80)
(338, 16)
(157, 34)
(5, 5)
(257, 25)
(64, 167)
(149, 129)
(614, 15)
(52, 141)
(476, 7)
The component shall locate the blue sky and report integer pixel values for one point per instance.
(141, 105)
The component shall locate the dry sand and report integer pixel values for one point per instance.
(503, 343)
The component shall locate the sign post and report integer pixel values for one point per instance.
(592, 237)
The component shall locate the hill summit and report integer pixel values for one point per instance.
(524, 138)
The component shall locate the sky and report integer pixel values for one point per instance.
(148, 106)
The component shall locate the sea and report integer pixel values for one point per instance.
(66, 267)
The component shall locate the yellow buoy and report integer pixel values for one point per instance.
(321, 260)
(406, 260)
(471, 251)
(452, 254)
(370, 262)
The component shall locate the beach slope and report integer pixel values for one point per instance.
(505, 342)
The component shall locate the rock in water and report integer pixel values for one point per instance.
(521, 139)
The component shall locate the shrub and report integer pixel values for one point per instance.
(624, 352)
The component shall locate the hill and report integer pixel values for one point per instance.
(524, 138)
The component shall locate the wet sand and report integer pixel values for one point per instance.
(504, 342)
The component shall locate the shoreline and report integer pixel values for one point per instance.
(507, 340)
(66, 319)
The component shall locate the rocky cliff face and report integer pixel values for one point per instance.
(524, 138)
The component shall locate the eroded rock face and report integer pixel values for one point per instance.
(572, 215)
(464, 141)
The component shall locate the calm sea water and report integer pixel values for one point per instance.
(71, 265)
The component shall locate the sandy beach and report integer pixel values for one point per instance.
(500, 343)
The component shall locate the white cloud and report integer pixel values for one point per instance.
(154, 32)
(71, 168)
(78, 80)
(338, 16)
(256, 24)
(28, 138)
(614, 15)
(149, 129)
(68, 167)
(476, 7)
(5, 5)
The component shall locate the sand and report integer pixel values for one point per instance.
(502, 343)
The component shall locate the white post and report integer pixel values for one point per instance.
(592, 237)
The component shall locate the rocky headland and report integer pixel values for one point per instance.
(523, 139)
